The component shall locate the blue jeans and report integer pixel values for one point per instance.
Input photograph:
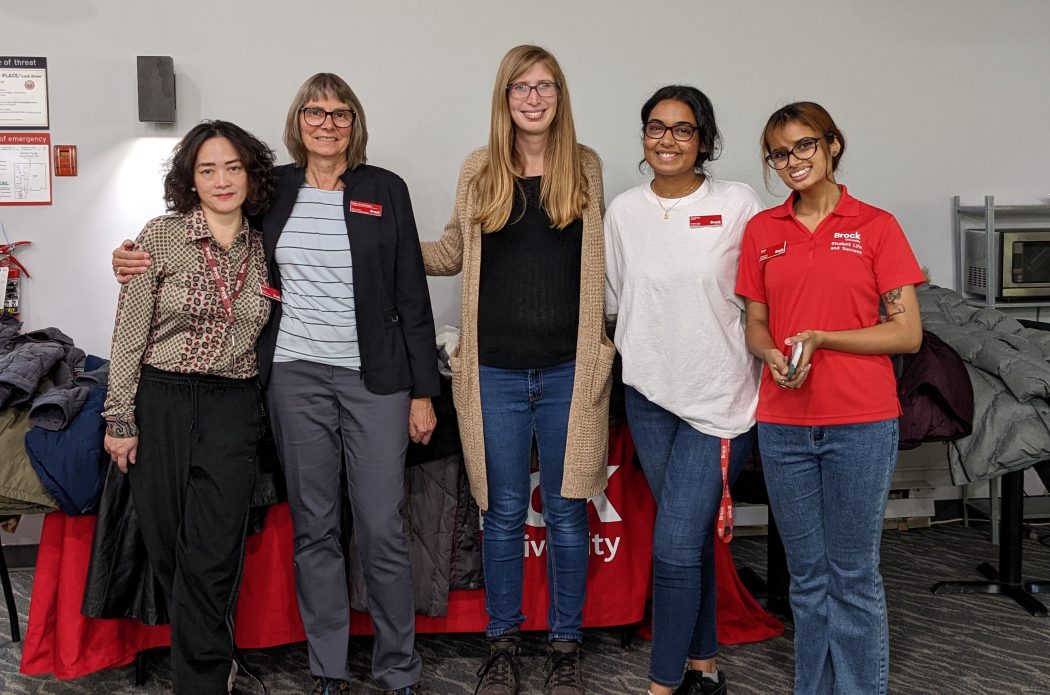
(828, 487)
(517, 405)
(683, 468)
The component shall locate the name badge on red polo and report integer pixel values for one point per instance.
(705, 221)
(773, 251)
(373, 209)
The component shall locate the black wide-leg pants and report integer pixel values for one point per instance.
(191, 486)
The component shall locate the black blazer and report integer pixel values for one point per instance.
(395, 325)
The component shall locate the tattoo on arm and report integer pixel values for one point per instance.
(892, 302)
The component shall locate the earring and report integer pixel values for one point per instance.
(194, 188)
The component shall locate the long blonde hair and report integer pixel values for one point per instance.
(563, 190)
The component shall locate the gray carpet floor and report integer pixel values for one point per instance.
(939, 645)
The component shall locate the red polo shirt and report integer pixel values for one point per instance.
(831, 279)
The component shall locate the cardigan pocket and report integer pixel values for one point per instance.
(455, 363)
(601, 376)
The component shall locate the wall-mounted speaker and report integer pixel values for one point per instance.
(156, 89)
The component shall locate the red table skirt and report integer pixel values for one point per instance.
(62, 641)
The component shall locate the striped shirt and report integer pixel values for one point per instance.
(318, 320)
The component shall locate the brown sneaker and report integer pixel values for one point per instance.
(564, 675)
(330, 686)
(500, 673)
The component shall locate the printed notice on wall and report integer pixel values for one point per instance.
(23, 93)
(25, 168)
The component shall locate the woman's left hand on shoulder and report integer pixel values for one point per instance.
(421, 420)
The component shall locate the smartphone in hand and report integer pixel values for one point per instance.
(796, 357)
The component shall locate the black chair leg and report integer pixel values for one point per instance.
(1007, 579)
(752, 581)
(9, 596)
(778, 579)
(626, 635)
(775, 588)
(141, 671)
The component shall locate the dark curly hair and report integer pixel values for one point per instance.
(703, 112)
(256, 155)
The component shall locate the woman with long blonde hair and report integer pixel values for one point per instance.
(533, 360)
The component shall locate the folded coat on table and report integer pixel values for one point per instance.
(1009, 367)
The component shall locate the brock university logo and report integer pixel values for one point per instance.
(606, 512)
(847, 241)
(605, 547)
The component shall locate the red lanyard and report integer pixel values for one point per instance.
(225, 296)
(725, 507)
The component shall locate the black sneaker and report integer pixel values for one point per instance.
(330, 686)
(416, 689)
(500, 673)
(694, 683)
(564, 675)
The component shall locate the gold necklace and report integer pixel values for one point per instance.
(667, 210)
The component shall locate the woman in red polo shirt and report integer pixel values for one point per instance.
(837, 276)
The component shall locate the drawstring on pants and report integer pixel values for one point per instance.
(194, 429)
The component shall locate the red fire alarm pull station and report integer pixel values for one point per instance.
(65, 160)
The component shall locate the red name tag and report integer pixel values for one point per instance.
(705, 221)
(270, 292)
(772, 251)
(366, 208)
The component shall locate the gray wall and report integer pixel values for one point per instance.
(936, 98)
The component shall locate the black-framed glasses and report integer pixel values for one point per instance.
(522, 90)
(682, 132)
(315, 116)
(803, 149)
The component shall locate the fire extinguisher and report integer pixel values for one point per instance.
(10, 278)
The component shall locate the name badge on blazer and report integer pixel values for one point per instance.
(773, 251)
(270, 292)
(373, 209)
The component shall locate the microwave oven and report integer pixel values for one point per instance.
(1023, 263)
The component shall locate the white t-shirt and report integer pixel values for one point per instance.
(679, 324)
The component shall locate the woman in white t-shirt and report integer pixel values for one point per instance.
(672, 247)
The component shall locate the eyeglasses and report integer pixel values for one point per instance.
(522, 90)
(315, 116)
(682, 132)
(803, 149)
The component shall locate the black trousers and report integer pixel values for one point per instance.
(191, 486)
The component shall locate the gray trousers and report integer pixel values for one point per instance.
(325, 421)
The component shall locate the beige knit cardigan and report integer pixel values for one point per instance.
(459, 249)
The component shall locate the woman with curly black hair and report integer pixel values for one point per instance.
(183, 414)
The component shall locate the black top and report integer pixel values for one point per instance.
(395, 326)
(529, 298)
